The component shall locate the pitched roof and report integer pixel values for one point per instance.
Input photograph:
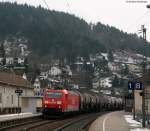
(14, 80)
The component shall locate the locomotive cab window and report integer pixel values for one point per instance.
(54, 95)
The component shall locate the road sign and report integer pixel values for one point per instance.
(18, 91)
(130, 85)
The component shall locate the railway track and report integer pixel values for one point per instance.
(80, 123)
(6, 124)
(36, 124)
(76, 123)
(29, 125)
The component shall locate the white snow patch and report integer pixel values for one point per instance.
(132, 122)
(105, 55)
(140, 129)
(106, 83)
(21, 114)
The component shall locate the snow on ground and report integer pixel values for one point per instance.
(134, 124)
(10, 115)
(106, 82)
(140, 129)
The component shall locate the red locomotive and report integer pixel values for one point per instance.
(60, 101)
(56, 102)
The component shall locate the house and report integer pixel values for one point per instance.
(9, 83)
(9, 60)
(95, 84)
(37, 87)
(105, 55)
(43, 75)
(106, 82)
(114, 67)
(54, 71)
(24, 76)
(2, 54)
(135, 68)
(19, 60)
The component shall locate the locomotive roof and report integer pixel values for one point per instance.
(64, 91)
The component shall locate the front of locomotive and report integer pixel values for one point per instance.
(53, 102)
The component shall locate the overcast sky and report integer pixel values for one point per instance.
(119, 13)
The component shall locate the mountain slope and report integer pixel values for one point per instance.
(60, 35)
(120, 40)
(48, 32)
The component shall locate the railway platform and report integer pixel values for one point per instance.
(18, 116)
(116, 121)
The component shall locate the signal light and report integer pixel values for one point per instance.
(46, 102)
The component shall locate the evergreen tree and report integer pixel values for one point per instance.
(126, 70)
(26, 64)
(110, 56)
(61, 35)
(115, 82)
(144, 64)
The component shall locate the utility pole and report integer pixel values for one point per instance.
(133, 91)
(143, 97)
(143, 31)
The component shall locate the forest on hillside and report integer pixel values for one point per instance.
(61, 35)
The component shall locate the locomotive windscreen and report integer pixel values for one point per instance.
(54, 94)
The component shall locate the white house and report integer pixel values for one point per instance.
(37, 87)
(9, 83)
(20, 60)
(114, 66)
(54, 71)
(9, 60)
(43, 75)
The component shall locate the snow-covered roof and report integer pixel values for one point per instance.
(106, 82)
(105, 55)
(79, 63)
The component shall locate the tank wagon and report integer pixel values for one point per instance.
(57, 102)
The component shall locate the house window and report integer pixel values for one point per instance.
(7, 99)
(0, 97)
(12, 99)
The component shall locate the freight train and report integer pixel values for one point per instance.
(58, 102)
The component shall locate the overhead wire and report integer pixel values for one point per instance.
(138, 20)
(68, 5)
(60, 33)
(46, 4)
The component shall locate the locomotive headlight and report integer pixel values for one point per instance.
(46, 102)
(59, 102)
